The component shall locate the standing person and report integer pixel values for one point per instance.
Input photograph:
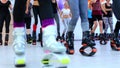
(116, 10)
(90, 19)
(28, 24)
(78, 8)
(97, 16)
(107, 16)
(66, 17)
(50, 33)
(36, 13)
(90, 16)
(56, 11)
(5, 16)
(19, 33)
(49, 28)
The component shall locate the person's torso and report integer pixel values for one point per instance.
(35, 3)
(66, 11)
(4, 7)
(109, 13)
(96, 8)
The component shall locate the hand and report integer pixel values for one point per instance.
(105, 13)
(26, 11)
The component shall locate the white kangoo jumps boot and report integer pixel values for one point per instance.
(53, 48)
(19, 46)
(49, 40)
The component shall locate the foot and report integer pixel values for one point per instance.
(20, 61)
(34, 43)
(6, 43)
(0, 42)
(55, 47)
(58, 38)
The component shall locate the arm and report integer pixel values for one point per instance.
(108, 9)
(27, 5)
(103, 8)
(90, 5)
(61, 15)
(10, 6)
(70, 14)
(58, 9)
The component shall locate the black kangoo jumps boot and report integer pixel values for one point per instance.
(70, 42)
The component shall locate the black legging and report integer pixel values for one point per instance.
(28, 22)
(117, 27)
(19, 11)
(7, 19)
(36, 12)
(116, 10)
(46, 9)
(90, 23)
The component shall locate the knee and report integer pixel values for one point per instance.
(101, 23)
(75, 17)
(95, 23)
(83, 18)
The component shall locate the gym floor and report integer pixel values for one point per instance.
(104, 57)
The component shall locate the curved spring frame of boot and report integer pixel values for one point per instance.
(69, 49)
(82, 50)
(114, 46)
(103, 42)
